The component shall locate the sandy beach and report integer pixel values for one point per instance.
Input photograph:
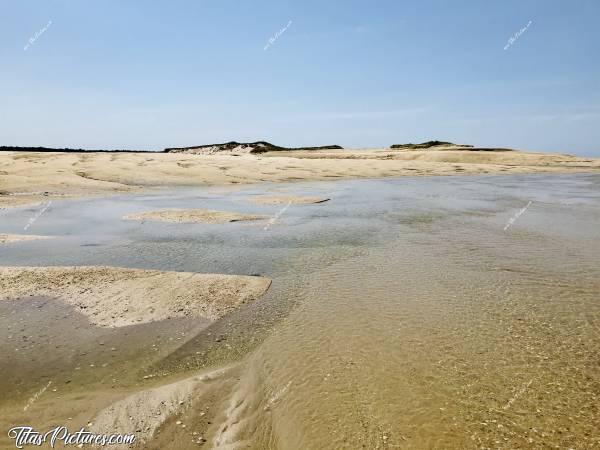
(30, 177)
(295, 226)
(398, 296)
(116, 297)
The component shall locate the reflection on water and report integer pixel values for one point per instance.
(402, 315)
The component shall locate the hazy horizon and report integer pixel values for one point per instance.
(516, 74)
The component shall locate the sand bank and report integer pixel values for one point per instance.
(145, 411)
(56, 175)
(192, 216)
(114, 297)
(13, 201)
(10, 238)
(287, 199)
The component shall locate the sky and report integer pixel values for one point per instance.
(359, 73)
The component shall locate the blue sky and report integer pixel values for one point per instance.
(149, 75)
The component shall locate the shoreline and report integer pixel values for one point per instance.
(58, 175)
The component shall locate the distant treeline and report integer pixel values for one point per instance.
(261, 146)
(256, 147)
(5, 148)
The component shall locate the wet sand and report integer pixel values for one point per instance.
(146, 411)
(57, 367)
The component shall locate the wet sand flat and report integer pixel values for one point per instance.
(57, 367)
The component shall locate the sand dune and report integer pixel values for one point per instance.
(238, 148)
(114, 297)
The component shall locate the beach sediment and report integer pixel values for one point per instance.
(115, 297)
(57, 175)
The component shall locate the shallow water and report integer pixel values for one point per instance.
(402, 314)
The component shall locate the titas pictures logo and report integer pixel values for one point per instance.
(26, 435)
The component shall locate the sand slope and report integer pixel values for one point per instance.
(113, 296)
(144, 411)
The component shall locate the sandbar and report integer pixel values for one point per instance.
(11, 238)
(287, 199)
(115, 297)
(192, 216)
